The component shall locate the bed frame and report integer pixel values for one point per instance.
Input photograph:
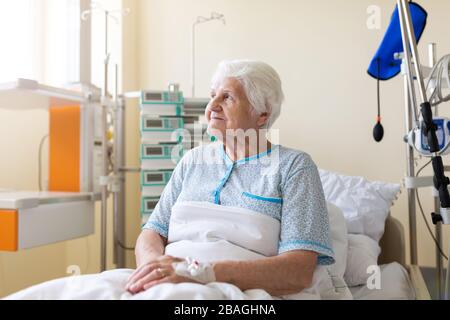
(393, 250)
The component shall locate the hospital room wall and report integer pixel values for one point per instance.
(322, 50)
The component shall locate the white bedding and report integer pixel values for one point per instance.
(110, 285)
(395, 285)
(206, 232)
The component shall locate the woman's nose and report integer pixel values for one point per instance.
(214, 105)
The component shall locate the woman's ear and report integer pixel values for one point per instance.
(263, 119)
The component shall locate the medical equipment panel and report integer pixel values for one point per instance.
(169, 126)
(154, 181)
(161, 128)
(149, 204)
(162, 102)
(160, 156)
(443, 135)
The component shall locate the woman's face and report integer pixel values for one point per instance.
(229, 109)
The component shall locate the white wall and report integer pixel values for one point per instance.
(322, 50)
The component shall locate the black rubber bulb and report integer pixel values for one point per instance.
(378, 132)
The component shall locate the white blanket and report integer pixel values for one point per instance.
(207, 232)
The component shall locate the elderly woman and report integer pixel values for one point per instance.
(246, 96)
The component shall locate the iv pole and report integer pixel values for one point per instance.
(440, 180)
(107, 103)
(438, 227)
(199, 20)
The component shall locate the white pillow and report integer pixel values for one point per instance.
(365, 204)
(339, 240)
(362, 253)
(328, 281)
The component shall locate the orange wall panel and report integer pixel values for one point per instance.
(9, 228)
(64, 158)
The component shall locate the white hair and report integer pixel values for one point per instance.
(261, 84)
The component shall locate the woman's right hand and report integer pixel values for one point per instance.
(153, 272)
(142, 270)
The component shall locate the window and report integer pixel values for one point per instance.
(40, 41)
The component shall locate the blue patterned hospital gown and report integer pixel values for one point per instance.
(282, 183)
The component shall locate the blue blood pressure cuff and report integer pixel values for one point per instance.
(392, 43)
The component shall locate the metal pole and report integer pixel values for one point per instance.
(115, 170)
(106, 62)
(407, 64)
(104, 204)
(438, 235)
(119, 197)
(410, 173)
(85, 44)
(411, 108)
(413, 46)
(193, 60)
(432, 58)
(122, 181)
(119, 162)
(437, 161)
(104, 207)
(447, 278)
(125, 169)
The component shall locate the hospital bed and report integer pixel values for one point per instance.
(399, 281)
(23, 212)
(392, 260)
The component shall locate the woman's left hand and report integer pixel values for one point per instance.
(153, 273)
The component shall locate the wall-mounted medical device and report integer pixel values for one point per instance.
(161, 128)
(170, 125)
(66, 210)
(169, 103)
(148, 204)
(160, 156)
(154, 181)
